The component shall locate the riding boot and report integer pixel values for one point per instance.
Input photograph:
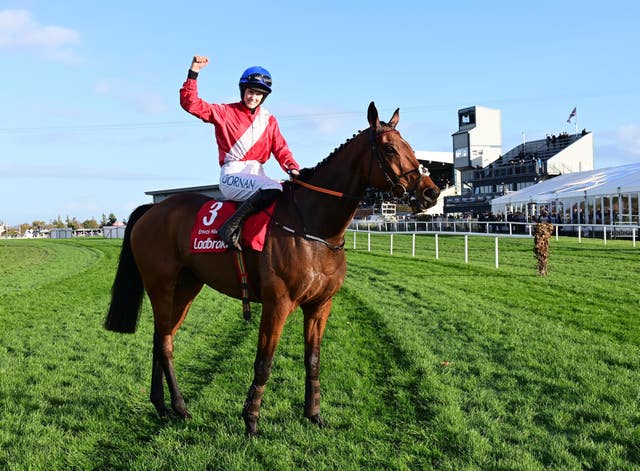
(230, 231)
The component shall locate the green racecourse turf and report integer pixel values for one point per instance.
(425, 364)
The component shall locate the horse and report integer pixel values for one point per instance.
(302, 264)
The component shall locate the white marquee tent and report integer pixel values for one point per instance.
(607, 195)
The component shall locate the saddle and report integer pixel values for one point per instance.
(213, 213)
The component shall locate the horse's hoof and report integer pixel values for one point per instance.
(181, 411)
(184, 414)
(317, 419)
(162, 410)
(251, 429)
(250, 425)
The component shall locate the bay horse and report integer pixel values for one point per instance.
(302, 264)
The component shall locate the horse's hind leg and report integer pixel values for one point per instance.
(157, 378)
(169, 313)
(165, 348)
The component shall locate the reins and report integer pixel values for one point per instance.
(392, 178)
(326, 191)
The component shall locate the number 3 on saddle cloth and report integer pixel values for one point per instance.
(212, 214)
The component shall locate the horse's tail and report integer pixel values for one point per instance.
(127, 291)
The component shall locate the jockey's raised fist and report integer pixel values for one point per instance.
(199, 62)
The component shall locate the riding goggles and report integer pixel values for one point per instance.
(259, 78)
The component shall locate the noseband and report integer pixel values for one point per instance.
(389, 174)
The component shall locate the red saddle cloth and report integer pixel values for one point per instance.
(212, 214)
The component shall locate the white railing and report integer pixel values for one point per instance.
(501, 228)
(437, 246)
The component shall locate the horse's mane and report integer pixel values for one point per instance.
(306, 173)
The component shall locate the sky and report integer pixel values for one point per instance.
(90, 116)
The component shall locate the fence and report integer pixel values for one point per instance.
(437, 245)
(502, 228)
(516, 230)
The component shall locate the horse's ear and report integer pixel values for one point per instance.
(372, 116)
(395, 118)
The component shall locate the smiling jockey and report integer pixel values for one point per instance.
(246, 135)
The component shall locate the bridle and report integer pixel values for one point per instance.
(389, 174)
(393, 179)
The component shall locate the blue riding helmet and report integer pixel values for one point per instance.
(257, 78)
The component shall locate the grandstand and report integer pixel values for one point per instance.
(524, 165)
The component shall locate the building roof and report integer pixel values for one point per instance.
(190, 189)
(609, 181)
(433, 156)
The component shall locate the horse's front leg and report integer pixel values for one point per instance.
(271, 325)
(315, 320)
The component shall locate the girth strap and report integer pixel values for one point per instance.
(310, 237)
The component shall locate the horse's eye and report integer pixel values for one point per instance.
(388, 148)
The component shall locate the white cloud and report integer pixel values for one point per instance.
(68, 172)
(327, 122)
(18, 30)
(617, 146)
(131, 94)
(628, 139)
(150, 103)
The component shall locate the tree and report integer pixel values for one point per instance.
(72, 223)
(38, 224)
(58, 223)
(90, 224)
(108, 221)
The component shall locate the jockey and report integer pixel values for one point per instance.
(246, 135)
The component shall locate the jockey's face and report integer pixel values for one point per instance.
(252, 98)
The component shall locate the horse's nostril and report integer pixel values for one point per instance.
(431, 193)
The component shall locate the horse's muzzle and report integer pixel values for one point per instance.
(425, 198)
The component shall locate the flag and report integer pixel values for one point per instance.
(572, 115)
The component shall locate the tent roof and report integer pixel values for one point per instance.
(600, 182)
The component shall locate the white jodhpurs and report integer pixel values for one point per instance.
(240, 179)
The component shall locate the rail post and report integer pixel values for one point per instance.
(466, 249)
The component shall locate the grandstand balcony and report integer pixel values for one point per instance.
(524, 165)
(470, 203)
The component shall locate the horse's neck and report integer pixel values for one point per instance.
(345, 171)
